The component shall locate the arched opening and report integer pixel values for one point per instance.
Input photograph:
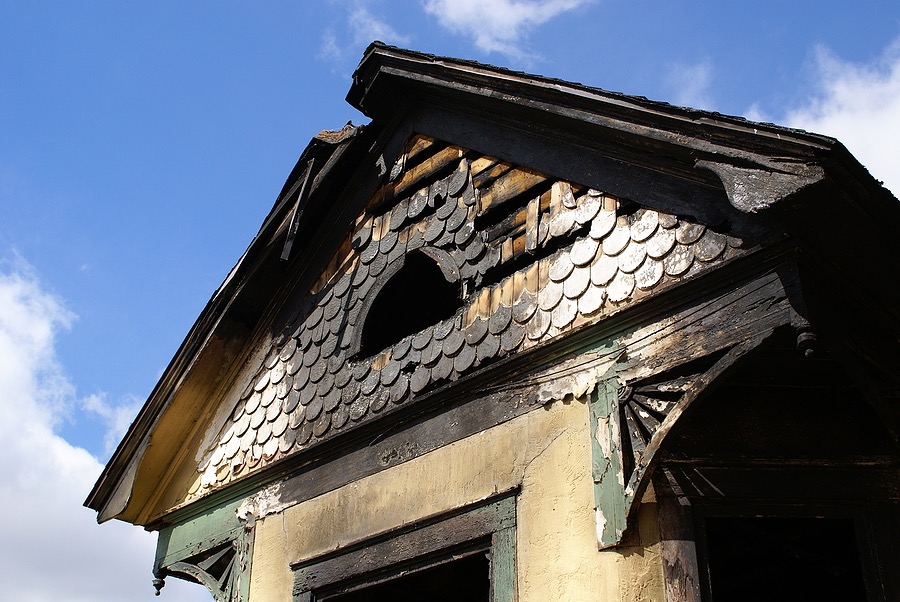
(416, 296)
(777, 480)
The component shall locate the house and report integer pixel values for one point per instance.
(523, 339)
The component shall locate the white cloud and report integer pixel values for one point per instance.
(53, 548)
(330, 50)
(757, 113)
(497, 25)
(364, 27)
(859, 104)
(116, 417)
(690, 84)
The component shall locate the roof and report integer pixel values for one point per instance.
(673, 161)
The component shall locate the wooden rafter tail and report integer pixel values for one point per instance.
(297, 213)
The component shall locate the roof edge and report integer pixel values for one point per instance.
(320, 149)
(414, 68)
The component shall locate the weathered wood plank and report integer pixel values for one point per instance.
(417, 145)
(509, 226)
(506, 250)
(532, 278)
(460, 532)
(510, 185)
(378, 450)
(710, 326)
(416, 174)
(503, 566)
(677, 542)
(606, 461)
(485, 172)
(482, 163)
(532, 220)
(518, 243)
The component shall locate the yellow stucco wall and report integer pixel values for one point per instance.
(546, 453)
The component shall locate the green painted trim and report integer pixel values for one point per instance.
(489, 526)
(180, 545)
(503, 565)
(241, 573)
(606, 460)
(214, 527)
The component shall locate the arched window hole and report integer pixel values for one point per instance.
(415, 297)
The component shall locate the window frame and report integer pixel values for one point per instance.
(488, 527)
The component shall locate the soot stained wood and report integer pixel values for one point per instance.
(677, 540)
(407, 438)
(512, 184)
(485, 527)
(428, 168)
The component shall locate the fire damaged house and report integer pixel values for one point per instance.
(522, 339)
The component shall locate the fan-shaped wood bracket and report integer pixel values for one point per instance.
(630, 422)
(223, 569)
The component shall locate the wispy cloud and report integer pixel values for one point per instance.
(756, 113)
(361, 26)
(365, 27)
(497, 25)
(859, 104)
(329, 49)
(54, 549)
(690, 84)
(116, 417)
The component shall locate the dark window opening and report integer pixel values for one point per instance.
(415, 297)
(463, 580)
(783, 558)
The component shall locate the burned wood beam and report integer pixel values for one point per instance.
(753, 189)
(416, 174)
(508, 186)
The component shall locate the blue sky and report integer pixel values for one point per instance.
(141, 145)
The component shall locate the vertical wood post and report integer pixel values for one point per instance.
(677, 541)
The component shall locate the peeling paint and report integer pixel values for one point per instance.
(262, 504)
(601, 523)
(602, 436)
(607, 465)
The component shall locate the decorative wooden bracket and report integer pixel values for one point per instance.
(215, 570)
(224, 569)
(630, 423)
